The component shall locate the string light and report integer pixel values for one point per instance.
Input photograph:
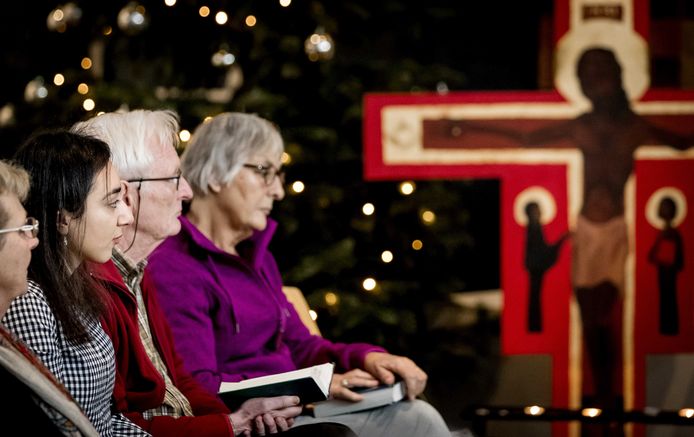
(591, 412)
(417, 244)
(204, 11)
(298, 187)
(221, 18)
(83, 88)
(184, 135)
(330, 298)
(169, 2)
(286, 158)
(58, 79)
(88, 104)
(686, 412)
(251, 21)
(369, 284)
(407, 188)
(428, 217)
(86, 63)
(313, 314)
(368, 208)
(386, 256)
(285, 3)
(534, 410)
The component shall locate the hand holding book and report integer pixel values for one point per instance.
(310, 384)
(372, 397)
(356, 391)
(265, 415)
(388, 368)
(342, 385)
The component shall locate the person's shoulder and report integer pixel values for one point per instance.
(172, 253)
(34, 297)
(30, 309)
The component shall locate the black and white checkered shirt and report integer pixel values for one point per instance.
(87, 370)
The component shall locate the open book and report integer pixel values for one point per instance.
(311, 384)
(373, 398)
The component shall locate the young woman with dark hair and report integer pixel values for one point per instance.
(77, 196)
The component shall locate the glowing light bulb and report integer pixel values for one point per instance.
(428, 217)
(221, 18)
(407, 188)
(298, 187)
(533, 410)
(369, 284)
(88, 104)
(591, 412)
(184, 135)
(331, 298)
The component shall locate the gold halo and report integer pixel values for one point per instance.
(653, 203)
(540, 195)
(629, 48)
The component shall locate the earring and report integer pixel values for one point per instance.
(65, 241)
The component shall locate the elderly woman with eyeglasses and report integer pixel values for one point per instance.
(222, 292)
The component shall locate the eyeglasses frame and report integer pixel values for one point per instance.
(264, 171)
(31, 226)
(141, 180)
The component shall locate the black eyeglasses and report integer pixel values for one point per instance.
(28, 230)
(176, 178)
(268, 172)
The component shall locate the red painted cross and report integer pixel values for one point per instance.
(571, 153)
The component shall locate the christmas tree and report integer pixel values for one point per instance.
(377, 261)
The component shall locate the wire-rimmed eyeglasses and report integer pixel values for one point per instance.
(176, 178)
(28, 230)
(139, 181)
(268, 172)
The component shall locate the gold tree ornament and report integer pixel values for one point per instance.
(63, 16)
(319, 46)
(133, 18)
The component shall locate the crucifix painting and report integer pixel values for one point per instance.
(600, 144)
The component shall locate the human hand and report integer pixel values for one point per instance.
(265, 415)
(385, 366)
(342, 383)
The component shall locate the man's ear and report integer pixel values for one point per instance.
(128, 193)
(63, 222)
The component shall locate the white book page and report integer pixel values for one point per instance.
(322, 373)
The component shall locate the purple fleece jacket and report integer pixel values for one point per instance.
(230, 318)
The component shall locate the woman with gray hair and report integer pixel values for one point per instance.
(222, 291)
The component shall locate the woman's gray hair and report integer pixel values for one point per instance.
(127, 134)
(222, 145)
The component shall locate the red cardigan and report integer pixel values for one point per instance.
(139, 386)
